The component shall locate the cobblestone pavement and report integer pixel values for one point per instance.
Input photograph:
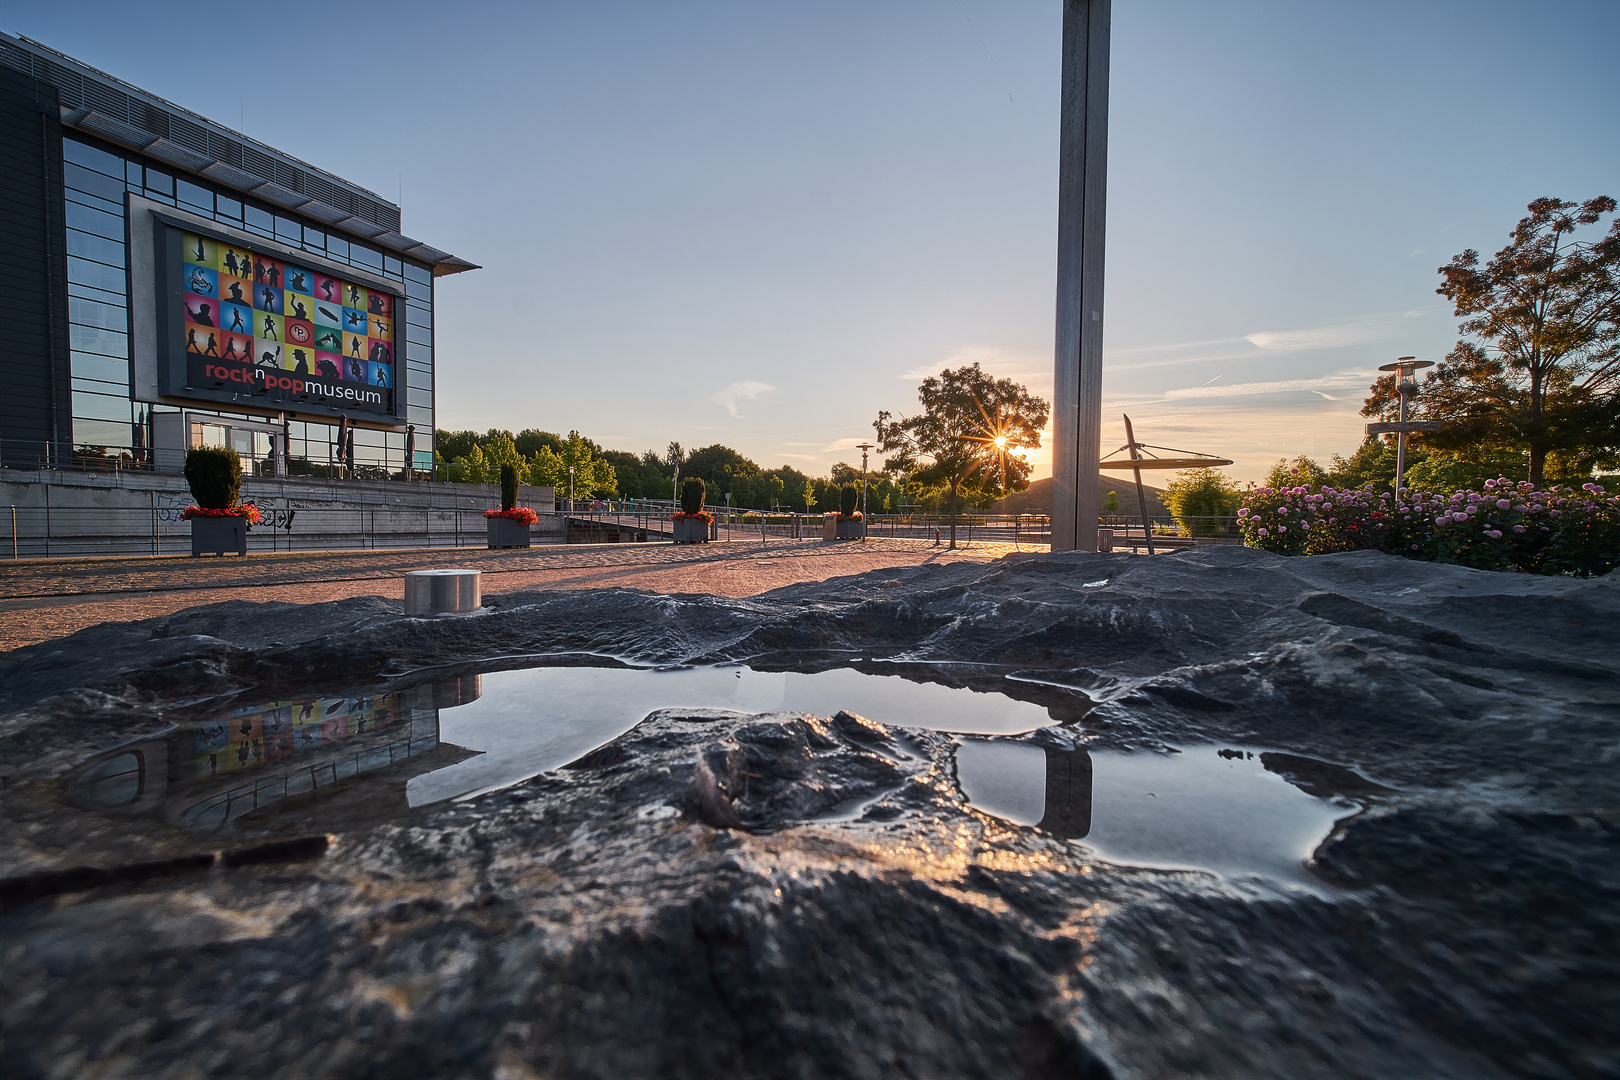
(42, 599)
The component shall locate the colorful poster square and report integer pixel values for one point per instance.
(299, 280)
(354, 370)
(355, 346)
(236, 347)
(278, 746)
(308, 737)
(329, 365)
(329, 290)
(355, 321)
(328, 314)
(380, 303)
(201, 281)
(268, 353)
(354, 296)
(306, 712)
(246, 727)
(201, 310)
(267, 299)
(235, 261)
(235, 318)
(328, 338)
(298, 361)
(298, 306)
(210, 735)
(298, 332)
(200, 251)
(379, 351)
(267, 271)
(380, 374)
(208, 765)
(235, 290)
(382, 328)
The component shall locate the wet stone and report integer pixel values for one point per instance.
(1339, 806)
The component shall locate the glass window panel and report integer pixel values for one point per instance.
(82, 179)
(314, 239)
(338, 247)
(91, 219)
(421, 275)
(84, 199)
(361, 255)
(93, 158)
(259, 220)
(105, 368)
(419, 315)
(88, 432)
(96, 275)
(417, 379)
(95, 339)
(101, 407)
(98, 248)
(84, 292)
(421, 292)
(101, 387)
(422, 398)
(392, 267)
(421, 417)
(192, 195)
(132, 173)
(416, 335)
(419, 354)
(289, 230)
(230, 209)
(159, 181)
(91, 313)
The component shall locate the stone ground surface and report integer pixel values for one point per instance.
(721, 894)
(45, 598)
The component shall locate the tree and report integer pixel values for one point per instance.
(967, 436)
(1540, 368)
(809, 495)
(1287, 474)
(1195, 495)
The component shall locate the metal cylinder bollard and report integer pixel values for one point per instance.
(441, 592)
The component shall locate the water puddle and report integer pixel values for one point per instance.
(1234, 812)
(532, 720)
(294, 767)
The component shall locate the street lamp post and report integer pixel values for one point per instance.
(1406, 388)
(863, 448)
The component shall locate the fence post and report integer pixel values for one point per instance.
(154, 522)
(13, 532)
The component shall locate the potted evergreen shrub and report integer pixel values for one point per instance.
(508, 527)
(691, 522)
(851, 525)
(219, 522)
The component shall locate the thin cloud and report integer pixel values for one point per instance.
(1332, 335)
(739, 392)
(1338, 381)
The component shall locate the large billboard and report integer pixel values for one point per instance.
(287, 334)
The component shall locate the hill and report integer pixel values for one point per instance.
(1037, 499)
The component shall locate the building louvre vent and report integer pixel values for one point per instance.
(106, 106)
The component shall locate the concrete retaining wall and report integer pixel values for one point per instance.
(66, 512)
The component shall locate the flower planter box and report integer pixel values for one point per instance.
(218, 535)
(851, 530)
(506, 533)
(691, 531)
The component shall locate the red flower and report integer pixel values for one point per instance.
(520, 514)
(246, 510)
(702, 515)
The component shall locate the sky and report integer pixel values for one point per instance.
(758, 224)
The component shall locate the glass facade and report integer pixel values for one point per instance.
(107, 422)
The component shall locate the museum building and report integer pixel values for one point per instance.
(167, 282)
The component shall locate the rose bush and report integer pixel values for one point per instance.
(520, 514)
(242, 510)
(1508, 526)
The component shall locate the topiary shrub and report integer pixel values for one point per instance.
(692, 492)
(848, 499)
(508, 487)
(214, 475)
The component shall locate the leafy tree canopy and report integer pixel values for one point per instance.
(1539, 368)
(967, 436)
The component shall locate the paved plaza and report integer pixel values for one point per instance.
(42, 599)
